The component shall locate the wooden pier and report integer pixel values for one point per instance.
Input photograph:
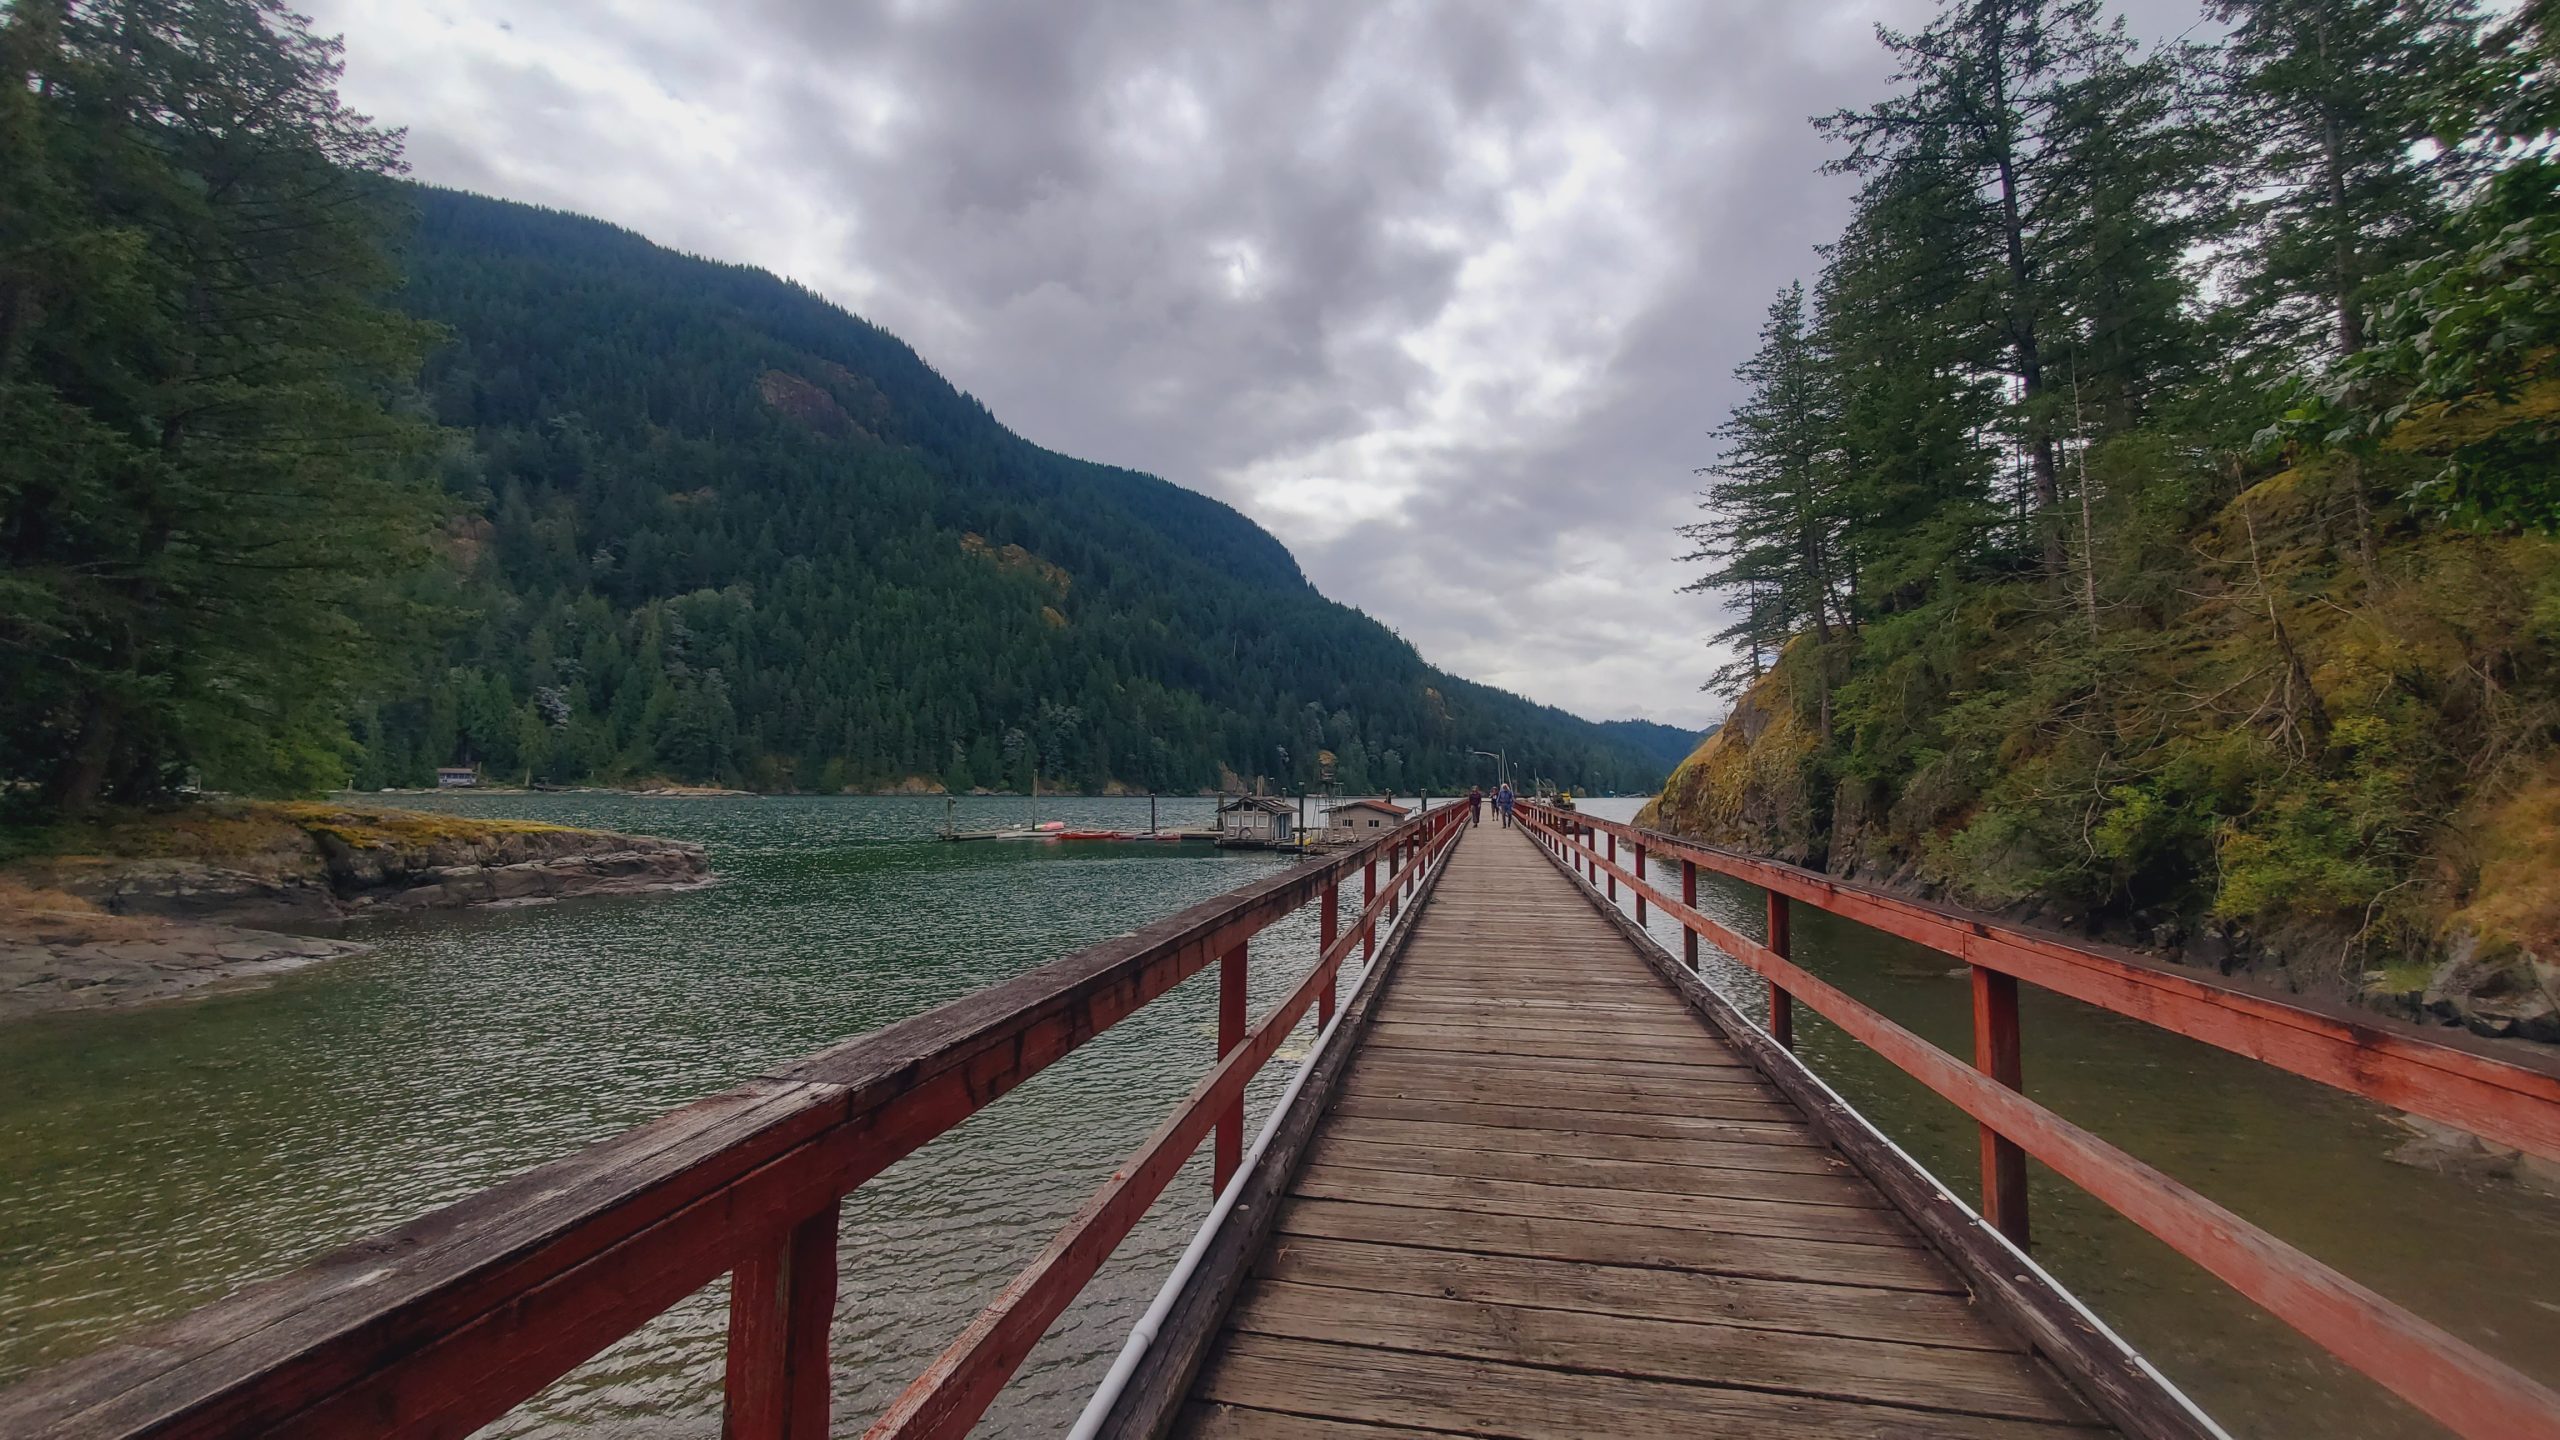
(1536, 1178)
(1550, 1200)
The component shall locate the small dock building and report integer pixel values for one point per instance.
(1354, 820)
(1257, 822)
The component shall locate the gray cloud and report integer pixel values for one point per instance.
(1447, 295)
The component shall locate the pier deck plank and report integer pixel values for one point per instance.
(1549, 1200)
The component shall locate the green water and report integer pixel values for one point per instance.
(153, 1160)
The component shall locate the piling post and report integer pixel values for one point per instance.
(1689, 898)
(1995, 1053)
(1228, 1153)
(782, 1303)
(1782, 1006)
(1640, 881)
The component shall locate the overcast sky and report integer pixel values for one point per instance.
(1445, 295)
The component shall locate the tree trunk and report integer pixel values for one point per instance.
(2360, 508)
(2041, 467)
(82, 780)
(2297, 679)
(2342, 278)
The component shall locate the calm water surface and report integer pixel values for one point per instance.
(152, 1160)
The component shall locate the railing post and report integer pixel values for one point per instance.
(1228, 1151)
(782, 1303)
(1328, 928)
(1689, 898)
(1995, 1053)
(1782, 1006)
(1640, 878)
(1368, 903)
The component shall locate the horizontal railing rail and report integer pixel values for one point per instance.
(2468, 1391)
(445, 1323)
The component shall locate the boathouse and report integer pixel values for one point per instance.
(1256, 821)
(457, 777)
(1362, 819)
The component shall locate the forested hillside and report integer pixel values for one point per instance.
(711, 526)
(2144, 518)
(315, 476)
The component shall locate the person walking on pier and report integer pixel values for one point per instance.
(1475, 806)
(1503, 800)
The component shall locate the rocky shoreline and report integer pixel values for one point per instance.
(188, 913)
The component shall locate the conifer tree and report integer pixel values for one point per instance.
(1772, 528)
(205, 479)
(2332, 104)
(1900, 321)
(2019, 107)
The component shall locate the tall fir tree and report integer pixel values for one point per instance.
(208, 474)
(1901, 321)
(2021, 109)
(2333, 106)
(1771, 532)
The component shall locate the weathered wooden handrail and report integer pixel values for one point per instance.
(2465, 1389)
(2511, 1097)
(445, 1323)
(945, 1401)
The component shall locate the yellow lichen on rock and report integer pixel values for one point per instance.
(2512, 895)
(1743, 786)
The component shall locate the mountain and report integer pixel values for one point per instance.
(1667, 745)
(709, 526)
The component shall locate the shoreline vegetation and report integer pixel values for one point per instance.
(142, 906)
(2142, 519)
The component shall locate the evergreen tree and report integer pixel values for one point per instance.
(2332, 105)
(203, 486)
(2019, 108)
(1772, 529)
(1902, 336)
(2463, 335)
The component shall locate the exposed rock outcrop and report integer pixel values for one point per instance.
(70, 957)
(316, 862)
(163, 906)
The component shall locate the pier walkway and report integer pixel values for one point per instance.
(1550, 1200)
(1534, 1178)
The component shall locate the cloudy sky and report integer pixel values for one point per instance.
(1445, 295)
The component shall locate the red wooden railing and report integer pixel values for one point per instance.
(2509, 1100)
(445, 1323)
